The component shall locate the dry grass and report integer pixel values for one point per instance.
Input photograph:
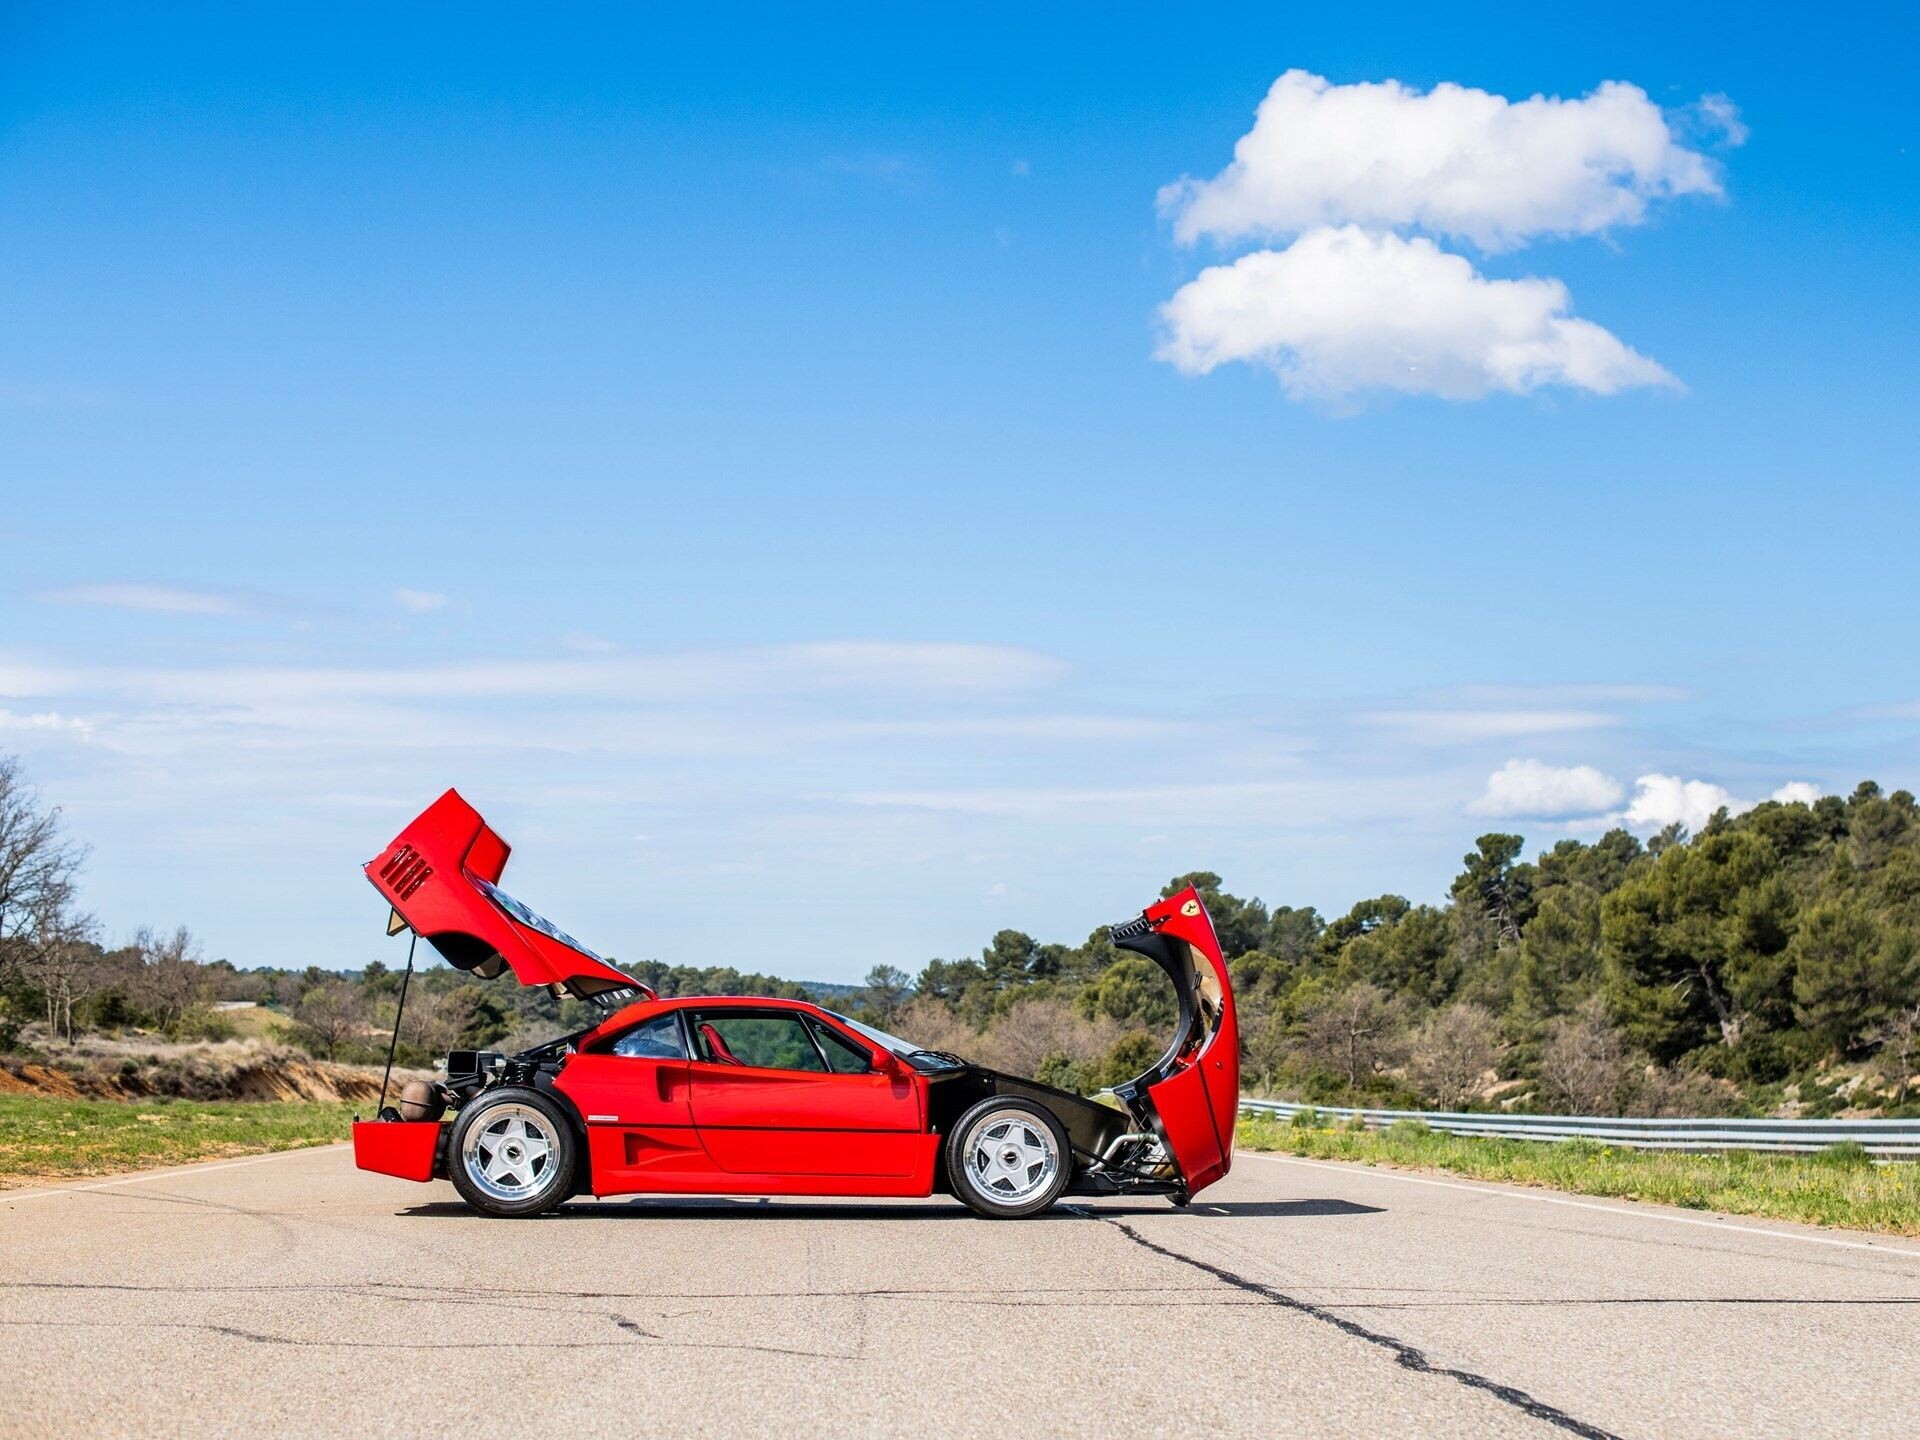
(259, 1023)
(1841, 1187)
(142, 1067)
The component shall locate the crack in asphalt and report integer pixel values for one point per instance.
(258, 1337)
(517, 1297)
(1130, 1296)
(1409, 1356)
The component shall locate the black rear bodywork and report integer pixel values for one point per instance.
(1110, 1154)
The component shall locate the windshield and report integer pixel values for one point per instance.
(526, 915)
(914, 1055)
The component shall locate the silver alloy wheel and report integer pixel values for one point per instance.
(1011, 1156)
(510, 1154)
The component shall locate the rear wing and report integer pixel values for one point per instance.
(441, 876)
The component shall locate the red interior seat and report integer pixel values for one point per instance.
(716, 1047)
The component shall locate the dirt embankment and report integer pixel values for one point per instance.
(201, 1073)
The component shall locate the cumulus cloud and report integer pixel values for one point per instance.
(1531, 788)
(1660, 800)
(1452, 161)
(1347, 310)
(419, 602)
(1536, 790)
(1357, 303)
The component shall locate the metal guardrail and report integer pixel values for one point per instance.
(1884, 1139)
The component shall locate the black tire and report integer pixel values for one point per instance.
(501, 1171)
(1007, 1158)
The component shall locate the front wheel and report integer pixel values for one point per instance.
(512, 1153)
(1007, 1158)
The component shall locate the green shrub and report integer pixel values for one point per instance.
(1766, 1057)
(1847, 1155)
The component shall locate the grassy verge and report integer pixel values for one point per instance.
(1839, 1187)
(48, 1139)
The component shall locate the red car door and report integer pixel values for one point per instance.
(782, 1092)
(633, 1096)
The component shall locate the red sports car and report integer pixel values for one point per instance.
(729, 1095)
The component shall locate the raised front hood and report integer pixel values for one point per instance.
(441, 877)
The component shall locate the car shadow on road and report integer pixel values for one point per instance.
(722, 1208)
(1285, 1207)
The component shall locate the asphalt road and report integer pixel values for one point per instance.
(292, 1295)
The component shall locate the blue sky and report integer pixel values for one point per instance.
(731, 447)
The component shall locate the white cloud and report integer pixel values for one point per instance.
(1660, 800)
(151, 599)
(1720, 118)
(1449, 726)
(1341, 311)
(1453, 161)
(1531, 788)
(419, 602)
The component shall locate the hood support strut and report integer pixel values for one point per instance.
(413, 939)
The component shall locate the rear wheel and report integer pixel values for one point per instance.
(1007, 1158)
(512, 1153)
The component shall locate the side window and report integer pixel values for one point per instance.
(843, 1056)
(658, 1039)
(768, 1042)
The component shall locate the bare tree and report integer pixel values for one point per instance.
(1034, 1030)
(38, 866)
(1585, 1061)
(1898, 1037)
(434, 1019)
(1675, 1090)
(1355, 1033)
(929, 1023)
(329, 1015)
(171, 982)
(65, 965)
(1452, 1052)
